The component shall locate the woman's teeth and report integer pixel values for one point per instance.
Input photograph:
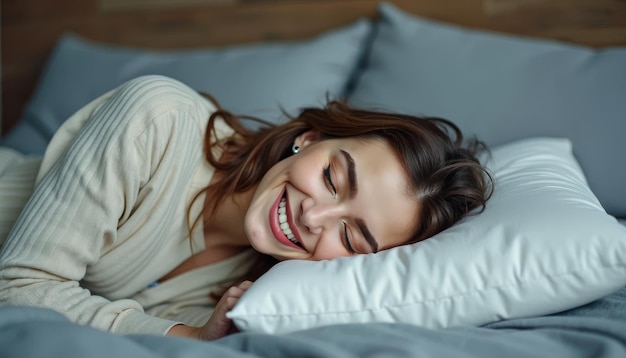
(282, 220)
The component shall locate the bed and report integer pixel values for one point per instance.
(542, 272)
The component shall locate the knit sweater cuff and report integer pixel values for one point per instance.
(136, 322)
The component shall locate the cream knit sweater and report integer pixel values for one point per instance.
(108, 214)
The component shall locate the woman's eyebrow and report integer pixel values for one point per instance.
(367, 234)
(352, 182)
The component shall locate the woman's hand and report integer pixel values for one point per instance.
(218, 325)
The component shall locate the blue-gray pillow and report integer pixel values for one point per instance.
(503, 88)
(254, 79)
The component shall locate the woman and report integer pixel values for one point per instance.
(131, 230)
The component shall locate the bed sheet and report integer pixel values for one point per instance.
(594, 330)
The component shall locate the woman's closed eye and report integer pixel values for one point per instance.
(329, 180)
(344, 232)
(346, 240)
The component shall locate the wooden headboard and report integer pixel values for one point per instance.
(30, 28)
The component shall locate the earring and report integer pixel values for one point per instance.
(295, 149)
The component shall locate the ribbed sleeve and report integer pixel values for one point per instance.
(110, 193)
(17, 179)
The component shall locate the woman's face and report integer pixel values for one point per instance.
(334, 198)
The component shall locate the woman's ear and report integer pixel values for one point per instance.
(306, 138)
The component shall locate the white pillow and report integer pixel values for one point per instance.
(544, 244)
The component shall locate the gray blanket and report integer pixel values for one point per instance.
(595, 330)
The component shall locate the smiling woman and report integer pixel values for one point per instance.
(129, 171)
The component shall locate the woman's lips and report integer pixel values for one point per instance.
(275, 224)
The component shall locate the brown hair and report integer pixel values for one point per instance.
(445, 173)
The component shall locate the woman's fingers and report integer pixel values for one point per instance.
(219, 325)
(237, 291)
(245, 284)
(233, 294)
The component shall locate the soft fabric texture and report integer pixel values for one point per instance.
(254, 80)
(109, 211)
(544, 244)
(504, 88)
(596, 330)
(17, 179)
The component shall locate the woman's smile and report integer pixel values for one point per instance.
(282, 224)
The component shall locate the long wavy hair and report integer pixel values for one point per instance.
(446, 176)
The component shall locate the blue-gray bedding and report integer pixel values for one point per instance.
(594, 330)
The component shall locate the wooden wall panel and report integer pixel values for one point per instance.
(30, 28)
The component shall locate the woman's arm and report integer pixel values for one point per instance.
(90, 190)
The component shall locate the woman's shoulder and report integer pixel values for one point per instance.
(126, 112)
(156, 93)
(161, 93)
(135, 104)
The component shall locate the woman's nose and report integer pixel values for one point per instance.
(318, 215)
